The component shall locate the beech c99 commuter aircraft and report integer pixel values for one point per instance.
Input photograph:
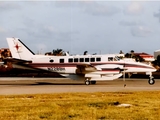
(90, 68)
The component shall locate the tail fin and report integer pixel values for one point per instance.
(19, 50)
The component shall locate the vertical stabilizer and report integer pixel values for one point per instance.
(18, 49)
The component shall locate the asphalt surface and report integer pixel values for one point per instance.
(16, 86)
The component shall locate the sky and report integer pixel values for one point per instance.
(100, 27)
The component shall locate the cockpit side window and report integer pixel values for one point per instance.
(110, 58)
(117, 58)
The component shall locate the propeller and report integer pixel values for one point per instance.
(124, 77)
(124, 74)
(123, 70)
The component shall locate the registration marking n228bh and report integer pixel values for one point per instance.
(56, 69)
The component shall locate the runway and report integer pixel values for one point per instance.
(16, 86)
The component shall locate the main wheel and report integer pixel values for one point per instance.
(93, 82)
(87, 82)
(151, 81)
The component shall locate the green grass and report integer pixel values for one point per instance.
(81, 106)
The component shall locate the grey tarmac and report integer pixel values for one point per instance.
(18, 85)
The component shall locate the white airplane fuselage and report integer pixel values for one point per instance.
(68, 64)
(88, 67)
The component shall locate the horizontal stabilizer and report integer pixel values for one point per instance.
(15, 60)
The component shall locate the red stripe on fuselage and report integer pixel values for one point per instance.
(127, 65)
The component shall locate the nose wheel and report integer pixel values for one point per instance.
(151, 81)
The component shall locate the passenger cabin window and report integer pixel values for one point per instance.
(110, 58)
(98, 59)
(61, 60)
(75, 59)
(92, 59)
(51, 60)
(70, 60)
(86, 59)
(81, 59)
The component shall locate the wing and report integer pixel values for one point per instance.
(99, 72)
(100, 69)
(85, 68)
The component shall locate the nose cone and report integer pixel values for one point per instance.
(139, 67)
(154, 69)
(151, 67)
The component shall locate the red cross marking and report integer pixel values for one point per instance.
(17, 47)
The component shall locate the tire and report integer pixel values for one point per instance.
(87, 82)
(151, 81)
(93, 82)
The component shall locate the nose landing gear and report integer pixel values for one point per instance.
(151, 81)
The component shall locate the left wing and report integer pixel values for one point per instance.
(99, 72)
(85, 68)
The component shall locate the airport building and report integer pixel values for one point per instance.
(147, 57)
(156, 53)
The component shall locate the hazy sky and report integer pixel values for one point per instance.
(76, 26)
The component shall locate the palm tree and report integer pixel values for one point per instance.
(58, 52)
(5, 54)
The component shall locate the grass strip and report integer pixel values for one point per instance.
(81, 106)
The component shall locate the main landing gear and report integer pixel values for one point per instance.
(88, 82)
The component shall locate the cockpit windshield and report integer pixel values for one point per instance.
(116, 58)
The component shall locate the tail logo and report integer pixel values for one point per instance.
(17, 46)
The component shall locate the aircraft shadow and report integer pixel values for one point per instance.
(40, 84)
(47, 83)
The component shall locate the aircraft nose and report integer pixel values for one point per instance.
(153, 69)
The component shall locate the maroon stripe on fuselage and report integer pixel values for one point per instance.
(93, 64)
(110, 70)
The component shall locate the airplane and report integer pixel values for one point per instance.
(90, 68)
